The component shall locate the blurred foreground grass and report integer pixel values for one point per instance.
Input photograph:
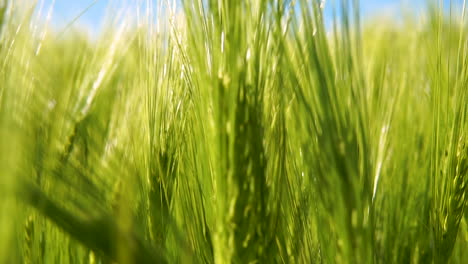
(234, 132)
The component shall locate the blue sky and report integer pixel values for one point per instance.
(66, 10)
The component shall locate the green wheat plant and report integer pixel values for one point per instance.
(250, 131)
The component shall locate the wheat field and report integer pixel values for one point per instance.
(250, 131)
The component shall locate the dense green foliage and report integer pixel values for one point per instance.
(234, 132)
